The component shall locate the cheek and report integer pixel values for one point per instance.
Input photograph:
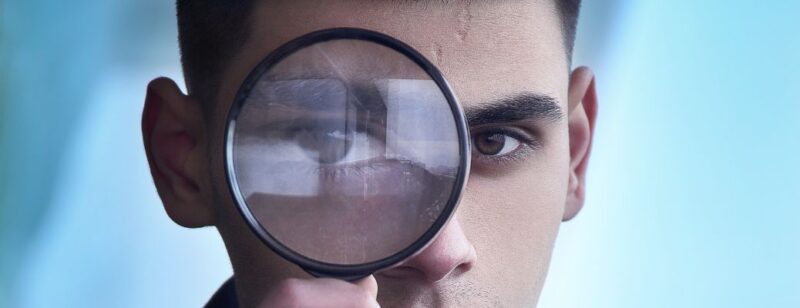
(523, 202)
(512, 219)
(244, 248)
(519, 213)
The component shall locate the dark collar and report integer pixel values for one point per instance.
(225, 297)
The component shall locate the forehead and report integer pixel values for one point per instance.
(486, 49)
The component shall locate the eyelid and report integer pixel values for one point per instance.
(524, 135)
(296, 124)
(529, 142)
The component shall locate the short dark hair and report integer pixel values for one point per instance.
(569, 11)
(210, 32)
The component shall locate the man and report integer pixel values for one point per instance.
(531, 124)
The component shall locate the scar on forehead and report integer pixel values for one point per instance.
(437, 52)
(464, 22)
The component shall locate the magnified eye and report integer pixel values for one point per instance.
(334, 145)
(327, 145)
(494, 143)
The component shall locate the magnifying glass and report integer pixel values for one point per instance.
(346, 152)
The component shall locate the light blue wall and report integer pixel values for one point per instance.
(81, 223)
(693, 195)
(693, 189)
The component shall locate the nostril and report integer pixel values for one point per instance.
(437, 269)
(450, 254)
(468, 262)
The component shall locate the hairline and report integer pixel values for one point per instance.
(209, 79)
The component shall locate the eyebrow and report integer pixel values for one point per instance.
(515, 108)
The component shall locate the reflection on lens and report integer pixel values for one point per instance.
(346, 151)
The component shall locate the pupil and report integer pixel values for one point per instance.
(490, 144)
(330, 145)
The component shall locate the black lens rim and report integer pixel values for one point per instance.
(316, 267)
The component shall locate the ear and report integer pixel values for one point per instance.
(173, 133)
(582, 115)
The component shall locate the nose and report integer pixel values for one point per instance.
(449, 254)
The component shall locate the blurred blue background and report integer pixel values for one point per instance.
(693, 195)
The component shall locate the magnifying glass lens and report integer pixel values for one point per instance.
(344, 151)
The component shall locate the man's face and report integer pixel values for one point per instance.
(496, 249)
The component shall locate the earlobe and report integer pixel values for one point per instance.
(171, 128)
(582, 116)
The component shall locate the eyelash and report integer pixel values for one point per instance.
(527, 145)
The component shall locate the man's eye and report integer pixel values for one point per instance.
(328, 145)
(494, 143)
(337, 146)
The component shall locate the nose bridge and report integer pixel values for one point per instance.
(451, 252)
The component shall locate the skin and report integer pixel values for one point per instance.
(496, 250)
